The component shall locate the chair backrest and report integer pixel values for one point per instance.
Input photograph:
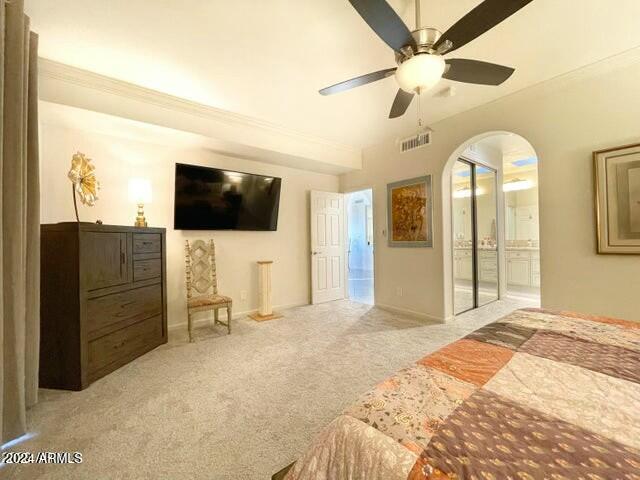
(200, 259)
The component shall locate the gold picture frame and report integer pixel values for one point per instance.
(410, 213)
(617, 187)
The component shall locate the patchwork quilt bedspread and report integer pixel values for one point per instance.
(536, 395)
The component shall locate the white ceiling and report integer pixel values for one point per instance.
(267, 59)
(512, 146)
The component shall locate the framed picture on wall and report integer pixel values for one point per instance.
(617, 181)
(409, 212)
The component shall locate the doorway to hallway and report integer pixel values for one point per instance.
(360, 246)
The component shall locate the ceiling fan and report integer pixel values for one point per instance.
(419, 54)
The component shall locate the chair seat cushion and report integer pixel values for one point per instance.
(204, 300)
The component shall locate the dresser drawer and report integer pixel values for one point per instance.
(518, 254)
(488, 268)
(146, 243)
(122, 345)
(145, 269)
(104, 314)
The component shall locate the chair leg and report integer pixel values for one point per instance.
(190, 322)
(229, 319)
(215, 316)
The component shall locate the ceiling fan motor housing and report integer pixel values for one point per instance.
(420, 67)
(426, 38)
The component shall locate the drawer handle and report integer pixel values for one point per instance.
(126, 304)
(121, 344)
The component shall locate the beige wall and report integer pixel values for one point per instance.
(117, 159)
(565, 120)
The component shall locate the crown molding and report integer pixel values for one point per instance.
(84, 78)
(54, 72)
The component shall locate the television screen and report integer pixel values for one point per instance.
(214, 199)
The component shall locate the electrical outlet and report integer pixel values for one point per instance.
(399, 291)
(243, 295)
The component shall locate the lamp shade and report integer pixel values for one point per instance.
(420, 71)
(139, 190)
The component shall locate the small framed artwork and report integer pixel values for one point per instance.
(409, 212)
(617, 182)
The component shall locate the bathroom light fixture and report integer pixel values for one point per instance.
(517, 184)
(465, 192)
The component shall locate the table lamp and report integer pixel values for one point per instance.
(140, 193)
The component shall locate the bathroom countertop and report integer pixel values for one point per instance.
(530, 249)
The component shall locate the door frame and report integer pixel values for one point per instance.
(474, 237)
(346, 192)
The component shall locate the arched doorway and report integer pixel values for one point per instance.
(490, 204)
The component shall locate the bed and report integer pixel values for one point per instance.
(537, 394)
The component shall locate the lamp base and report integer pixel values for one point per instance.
(140, 220)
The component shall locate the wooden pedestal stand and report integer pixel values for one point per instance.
(265, 308)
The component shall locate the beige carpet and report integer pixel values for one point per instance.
(231, 407)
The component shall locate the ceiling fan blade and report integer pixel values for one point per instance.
(479, 20)
(475, 71)
(358, 81)
(385, 22)
(401, 103)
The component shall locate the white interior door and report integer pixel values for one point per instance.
(327, 247)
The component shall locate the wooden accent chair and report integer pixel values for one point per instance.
(200, 260)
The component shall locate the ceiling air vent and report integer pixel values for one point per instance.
(422, 139)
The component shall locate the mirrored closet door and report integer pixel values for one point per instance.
(475, 235)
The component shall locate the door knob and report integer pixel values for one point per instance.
(315, 253)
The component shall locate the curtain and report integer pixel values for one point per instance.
(19, 220)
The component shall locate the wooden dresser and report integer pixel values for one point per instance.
(103, 300)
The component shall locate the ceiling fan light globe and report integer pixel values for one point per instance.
(420, 71)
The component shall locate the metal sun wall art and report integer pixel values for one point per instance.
(83, 180)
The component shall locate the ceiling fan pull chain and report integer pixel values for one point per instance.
(419, 108)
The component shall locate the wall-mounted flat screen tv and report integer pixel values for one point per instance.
(214, 199)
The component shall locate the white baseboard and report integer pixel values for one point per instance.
(411, 313)
(236, 315)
